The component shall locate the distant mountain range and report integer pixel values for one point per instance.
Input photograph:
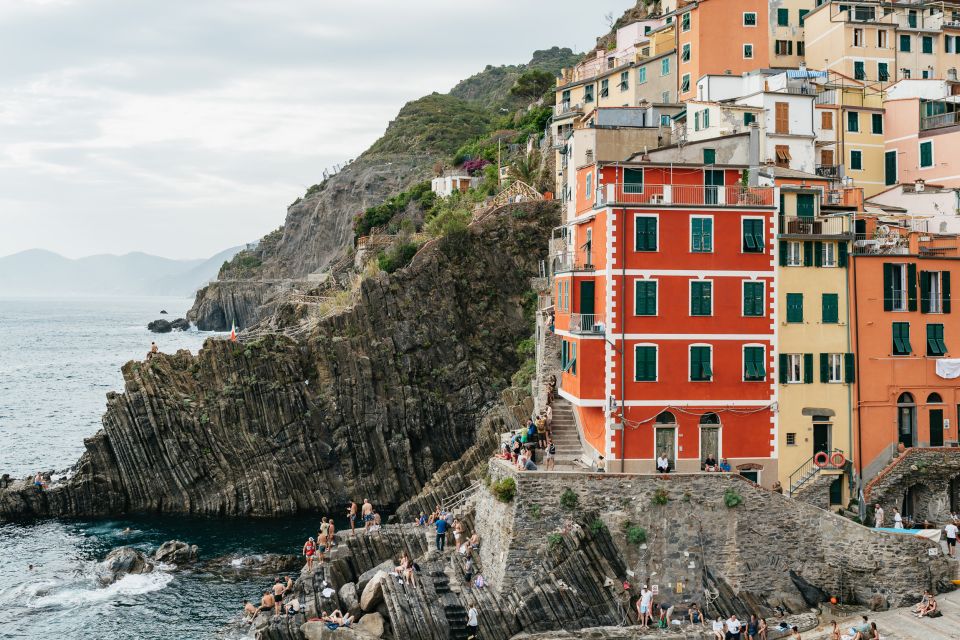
(37, 272)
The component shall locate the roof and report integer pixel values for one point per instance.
(774, 171)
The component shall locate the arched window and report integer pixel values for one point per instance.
(709, 418)
(905, 398)
(934, 398)
(666, 418)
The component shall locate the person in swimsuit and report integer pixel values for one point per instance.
(267, 603)
(762, 629)
(352, 517)
(278, 590)
(324, 531)
(695, 615)
(367, 514)
(309, 549)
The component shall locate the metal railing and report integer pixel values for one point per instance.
(940, 120)
(828, 170)
(820, 226)
(564, 108)
(872, 245)
(459, 499)
(586, 323)
(568, 262)
(938, 251)
(808, 470)
(681, 194)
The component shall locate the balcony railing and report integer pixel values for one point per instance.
(940, 120)
(828, 170)
(586, 323)
(564, 108)
(567, 262)
(820, 226)
(868, 245)
(682, 194)
(826, 97)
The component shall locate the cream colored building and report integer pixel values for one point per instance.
(787, 20)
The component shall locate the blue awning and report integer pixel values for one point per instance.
(806, 73)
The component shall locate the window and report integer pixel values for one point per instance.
(856, 160)
(883, 72)
(793, 368)
(905, 43)
(830, 310)
(646, 239)
(588, 184)
(831, 367)
(633, 180)
(696, 121)
(749, 118)
(783, 47)
(782, 117)
(801, 48)
(791, 439)
(905, 73)
(642, 75)
(794, 254)
(753, 299)
(794, 307)
(912, 19)
(685, 53)
(782, 152)
(645, 298)
(754, 369)
(664, 120)
(826, 120)
(624, 80)
(803, 15)
(685, 22)
(828, 254)
(750, 19)
(877, 122)
(701, 298)
(859, 70)
(706, 118)
(896, 296)
(701, 235)
(783, 17)
(701, 363)
(685, 83)
(568, 357)
(709, 155)
(588, 93)
(753, 236)
(901, 339)
(604, 88)
(858, 37)
(665, 67)
(748, 51)
(645, 363)
(881, 38)
(926, 44)
(665, 97)
(926, 154)
(853, 121)
(935, 343)
(934, 292)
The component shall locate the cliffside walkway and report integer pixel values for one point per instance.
(902, 624)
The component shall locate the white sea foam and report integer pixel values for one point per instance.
(77, 594)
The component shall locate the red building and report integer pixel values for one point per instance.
(665, 302)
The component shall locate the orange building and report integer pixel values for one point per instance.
(905, 334)
(665, 306)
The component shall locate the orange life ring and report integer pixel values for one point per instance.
(838, 459)
(821, 459)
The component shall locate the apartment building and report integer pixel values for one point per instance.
(923, 132)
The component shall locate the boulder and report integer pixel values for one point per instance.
(350, 600)
(160, 326)
(123, 561)
(176, 552)
(373, 623)
(811, 594)
(243, 567)
(163, 312)
(373, 593)
(879, 602)
(365, 577)
(319, 631)
(180, 324)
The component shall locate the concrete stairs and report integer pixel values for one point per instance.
(565, 435)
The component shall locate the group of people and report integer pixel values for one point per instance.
(710, 464)
(316, 548)
(277, 599)
(521, 450)
(950, 530)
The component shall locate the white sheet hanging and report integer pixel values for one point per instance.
(948, 368)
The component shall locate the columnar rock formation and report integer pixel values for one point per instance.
(370, 404)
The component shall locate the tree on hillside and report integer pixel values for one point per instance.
(532, 84)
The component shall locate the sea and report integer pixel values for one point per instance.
(58, 359)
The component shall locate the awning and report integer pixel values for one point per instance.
(930, 534)
(806, 73)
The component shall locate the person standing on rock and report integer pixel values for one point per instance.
(441, 533)
(278, 590)
(878, 516)
(323, 538)
(951, 532)
(367, 514)
(309, 549)
(897, 520)
(643, 607)
(472, 623)
(352, 517)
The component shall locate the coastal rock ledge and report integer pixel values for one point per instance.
(369, 404)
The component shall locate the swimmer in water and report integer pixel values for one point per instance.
(127, 531)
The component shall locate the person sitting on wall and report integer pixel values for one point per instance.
(663, 464)
(929, 609)
(725, 466)
(710, 463)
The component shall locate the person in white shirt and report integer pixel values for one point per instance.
(733, 627)
(663, 464)
(951, 531)
(643, 607)
(718, 628)
(897, 520)
(472, 622)
(878, 516)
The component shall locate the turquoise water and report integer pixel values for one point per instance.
(58, 359)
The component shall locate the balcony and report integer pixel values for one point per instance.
(818, 226)
(586, 323)
(828, 171)
(880, 245)
(565, 109)
(683, 195)
(948, 119)
(565, 262)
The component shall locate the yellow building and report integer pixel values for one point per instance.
(787, 21)
(849, 127)
(815, 368)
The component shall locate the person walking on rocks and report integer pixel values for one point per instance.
(473, 623)
(897, 520)
(951, 532)
(309, 549)
(352, 516)
(878, 516)
(367, 514)
(441, 533)
(643, 607)
(322, 537)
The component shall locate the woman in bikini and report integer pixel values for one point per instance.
(309, 549)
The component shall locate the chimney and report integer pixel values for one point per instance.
(918, 186)
(753, 153)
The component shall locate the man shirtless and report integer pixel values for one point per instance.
(250, 609)
(268, 603)
(352, 516)
(367, 514)
(278, 590)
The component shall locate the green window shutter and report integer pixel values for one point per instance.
(807, 253)
(803, 15)
(859, 71)
(808, 368)
(709, 155)
(633, 180)
(783, 17)
(901, 339)
(905, 43)
(818, 253)
(877, 123)
(927, 44)
(945, 289)
(849, 369)
(794, 307)
(754, 369)
(753, 299)
(842, 254)
(748, 118)
(753, 241)
(783, 253)
(924, 292)
(563, 355)
(926, 154)
(707, 233)
(911, 287)
(700, 368)
(824, 367)
(887, 286)
(936, 346)
(646, 298)
(853, 121)
(646, 234)
(856, 160)
(783, 368)
(706, 118)
(646, 364)
(831, 311)
(700, 298)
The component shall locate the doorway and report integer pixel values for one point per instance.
(836, 490)
(821, 438)
(712, 180)
(955, 495)
(587, 307)
(936, 421)
(906, 420)
(665, 438)
(709, 437)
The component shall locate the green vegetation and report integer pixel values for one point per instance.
(535, 511)
(661, 497)
(434, 125)
(492, 85)
(397, 256)
(504, 490)
(731, 498)
(597, 526)
(569, 499)
(383, 213)
(554, 540)
(526, 351)
(635, 534)
(533, 84)
(448, 215)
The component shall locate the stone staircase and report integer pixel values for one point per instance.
(565, 435)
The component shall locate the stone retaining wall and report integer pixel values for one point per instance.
(930, 470)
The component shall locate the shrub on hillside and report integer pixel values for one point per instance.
(397, 256)
(504, 490)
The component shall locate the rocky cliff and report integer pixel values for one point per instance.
(369, 404)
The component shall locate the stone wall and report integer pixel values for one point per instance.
(931, 470)
(744, 554)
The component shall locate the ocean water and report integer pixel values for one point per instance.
(58, 359)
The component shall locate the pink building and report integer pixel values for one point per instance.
(922, 140)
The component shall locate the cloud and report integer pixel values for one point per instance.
(180, 128)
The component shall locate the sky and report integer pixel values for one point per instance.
(183, 127)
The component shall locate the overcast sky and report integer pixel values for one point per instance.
(184, 127)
